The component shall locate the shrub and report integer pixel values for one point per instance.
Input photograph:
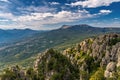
(114, 41)
(98, 75)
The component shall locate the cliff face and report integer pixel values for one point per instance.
(95, 58)
(93, 53)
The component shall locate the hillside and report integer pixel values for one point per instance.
(25, 51)
(14, 35)
(95, 58)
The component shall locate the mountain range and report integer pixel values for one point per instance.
(14, 35)
(25, 50)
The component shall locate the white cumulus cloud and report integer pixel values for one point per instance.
(93, 3)
(35, 20)
(39, 19)
(105, 11)
(54, 3)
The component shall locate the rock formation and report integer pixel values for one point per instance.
(96, 58)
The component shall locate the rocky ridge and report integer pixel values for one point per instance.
(96, 58)
(101, 52)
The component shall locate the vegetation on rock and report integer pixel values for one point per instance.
(95, 58)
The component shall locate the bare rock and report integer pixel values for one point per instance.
(110, 69)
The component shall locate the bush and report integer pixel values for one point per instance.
(8, 75)
(114, 41)
(98, 75)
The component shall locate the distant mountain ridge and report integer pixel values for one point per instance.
(59, 39)
(13, 35)
(70, 26)
(88, 28)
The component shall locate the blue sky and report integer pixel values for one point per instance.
(52, 14)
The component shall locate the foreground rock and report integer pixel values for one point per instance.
(98, 52)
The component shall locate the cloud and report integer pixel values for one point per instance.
(30, 9)
(93, 3)
(4, 0)
(102, 12)
(105, 11)
(7, 15)
(37, 20)
(54, 3)
(4, 20)
(50, 18)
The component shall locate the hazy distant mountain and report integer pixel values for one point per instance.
(13, 35)
(88, 29)
(61, 38)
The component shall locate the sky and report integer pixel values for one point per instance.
(52, 14)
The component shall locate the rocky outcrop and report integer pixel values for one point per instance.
(95, 58)
(52, 65)
(102, 51)
(110, 69)
(14, 73)
(118, 51)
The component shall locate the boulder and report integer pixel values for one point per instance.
(110, 69)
